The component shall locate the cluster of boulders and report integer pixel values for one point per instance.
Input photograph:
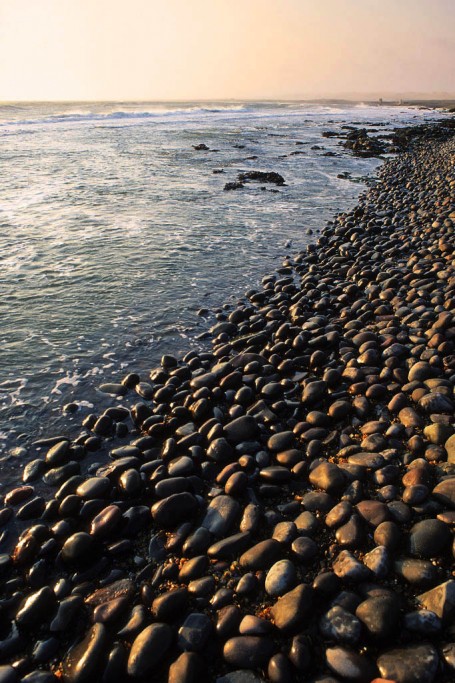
(259, 176)
(279, 508)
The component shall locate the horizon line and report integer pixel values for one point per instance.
(348, 97)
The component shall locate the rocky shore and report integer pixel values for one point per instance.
(280, 508)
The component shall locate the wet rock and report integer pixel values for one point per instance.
(262, 555)
(78, 547)
(175, 509)
(416, 572)
(450, 448)
(67, 612)
(348, 567)
(281, 441)
(373, 511)
(241, 676)
(440, 600)
(8, 675)
(244, 428)
(170, 604)
(95, 487)
(229, 547)
(429, 538)
(328, 477)
(304, 549)
(37, 607)
(195, 632)
(350, 665)
(340, 625)
(445, 492)
(436, 403)
(422, 621)
(380, 616)
(148, 649)
(220, 515)
(86, 658)
(248, 652)
(378, 561)
(293, 608)
(411, 664)
(106, 521)
(280, 578)
(185, 669)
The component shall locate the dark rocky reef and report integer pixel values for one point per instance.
(261, 177)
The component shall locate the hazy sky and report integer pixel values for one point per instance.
(190, 49)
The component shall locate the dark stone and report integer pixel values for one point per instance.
(340, 625)
(37, 607)
(149, 649)
(244, 428)
(195, 632)
(440, 600)
(175, 509)
(229, 547)
(169, 604)
(262, 555)
(293, 608)
(78, 547)
(248, 652)
(328, 477)
(86, 658)
(350, 665)
(220, 515)
(380, 616)
(411, 664)
(429, 538)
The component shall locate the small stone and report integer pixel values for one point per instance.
(445, 492)
(350, 665)
(248, 652)
(378, 561)
(84, 659)
(262, 555)
(175, 509)
(78, 547)
(340, 625)
(244, 428)
(380, 616)
(440, 600)
(348, 567)
(328, 477)
(292, 608)
(422, 621)
(148, 649)
(411, 664)
(220, 515)
(195, 632)
(429, 538)
(280, 578)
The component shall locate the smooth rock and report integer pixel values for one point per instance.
(411, 664)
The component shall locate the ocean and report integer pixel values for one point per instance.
(115, 231)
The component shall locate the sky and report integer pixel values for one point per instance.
(225, 49)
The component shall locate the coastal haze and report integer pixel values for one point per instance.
(255, 49)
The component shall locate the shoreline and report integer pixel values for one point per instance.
(274, 488)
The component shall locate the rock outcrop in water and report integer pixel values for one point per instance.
(280, 508)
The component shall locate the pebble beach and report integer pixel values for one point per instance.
(277, 508)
